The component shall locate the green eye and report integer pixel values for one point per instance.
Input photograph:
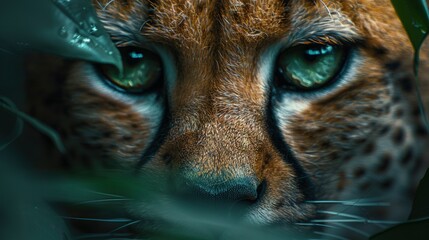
(309, 67)
(142, 70)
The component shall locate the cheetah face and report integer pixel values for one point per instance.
(304, 111)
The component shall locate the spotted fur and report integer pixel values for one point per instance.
(320, 157)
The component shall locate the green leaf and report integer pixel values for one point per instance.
(415, 18)
(415, 230)
(187, 219)
(23, 213)
(18, 123)
(421, 200)
(49, 132)
(414, 15)
(418, 226)
(63, 27)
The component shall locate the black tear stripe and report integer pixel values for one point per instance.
(303, 179)
(157, 141)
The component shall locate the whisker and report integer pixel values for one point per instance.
(104, 194)
(327, 9)
(352, 216)
(341, 214)
(336, 226)
(368, 202)
(351, 203)
(122, 238)
(353, 229)
(316, 225)
(331, 235)
(142, 25)
(107, 4)
(355, 221)
(114, 220)
(99, 4)
(103, 201)
(124, 226)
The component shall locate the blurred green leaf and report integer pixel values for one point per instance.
(421, 200)
(415, 18)
(414, 15)
(17, 130)
(53, 135)
(180, 218)
(23, 213)
(418, 226)
(63, 27)
(415, 230)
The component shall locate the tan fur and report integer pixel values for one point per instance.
(219, 103)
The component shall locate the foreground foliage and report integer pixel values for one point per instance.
(24, 214)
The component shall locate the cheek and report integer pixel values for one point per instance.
(324, 133)
(104, 126)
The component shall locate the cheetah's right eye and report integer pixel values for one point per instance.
(310, 67)
(142, 70)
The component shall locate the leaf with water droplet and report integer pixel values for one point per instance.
(63, 27)
(414, 15)
(415, 18)
(63, 32)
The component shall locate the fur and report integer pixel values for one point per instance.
(360, 138)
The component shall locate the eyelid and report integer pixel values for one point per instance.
(321, 37)
(323, 40)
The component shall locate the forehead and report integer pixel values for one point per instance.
(202, 22)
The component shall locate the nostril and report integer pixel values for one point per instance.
(242, 189)
(239, 193)
(259, 193)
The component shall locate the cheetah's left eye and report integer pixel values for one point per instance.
(309, 67)
(142, 70)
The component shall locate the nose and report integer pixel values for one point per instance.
(240, 188)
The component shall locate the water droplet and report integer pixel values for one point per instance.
(78, 40)
(417, 24)
(63, 32)
(92, 28)
(63, 2)
(110, 52)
